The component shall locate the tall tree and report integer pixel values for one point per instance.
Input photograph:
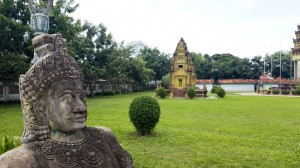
(159, 62)
(203, 65)
(286, 66)
(256, 67)
(15, 41)
(223, 65)
(138, 72)
(11, 66)
(61, 22)
(93, 47)
(15, 32)
(244, 70)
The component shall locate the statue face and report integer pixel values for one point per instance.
(67, 108)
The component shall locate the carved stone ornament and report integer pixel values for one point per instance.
(35, 9)
(89, 153)
(39, 20)
(39, 23)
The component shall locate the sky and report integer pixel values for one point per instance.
(244, 28)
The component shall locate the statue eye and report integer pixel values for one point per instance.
(68, 96)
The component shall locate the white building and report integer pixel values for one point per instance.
(9, 93)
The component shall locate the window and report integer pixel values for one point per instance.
(180, 66)
(180, 82)
(13, 89)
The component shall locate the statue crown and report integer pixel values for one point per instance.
(54, 65)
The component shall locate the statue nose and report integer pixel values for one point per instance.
(79, 106)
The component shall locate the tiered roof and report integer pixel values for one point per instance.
(296, 49)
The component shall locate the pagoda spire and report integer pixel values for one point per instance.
(182, 71)
(296, 54)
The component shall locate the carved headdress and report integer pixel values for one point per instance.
(54, 65)
(35, 10)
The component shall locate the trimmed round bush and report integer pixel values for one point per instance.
(191, 93)
(275, 92)
(214, 89)
(161, 92)
(220, 92)
(144, 113)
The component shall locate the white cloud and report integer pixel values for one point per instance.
(244, 28)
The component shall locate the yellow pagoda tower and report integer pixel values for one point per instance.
(296, 54)
(182, 71)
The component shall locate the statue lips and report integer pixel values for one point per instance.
(80, 117)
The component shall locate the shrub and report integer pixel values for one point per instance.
(8, 143)
(165, 81)
(214, 89)
(268, 91)
(191, 93)
(298, 90)
(285, 92)
(220, 92)
(107, 93)
(294, 92)
(205, 93)
(144, 113)
(275, 92)
(161, 92)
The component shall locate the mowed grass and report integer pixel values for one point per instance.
(237, 131)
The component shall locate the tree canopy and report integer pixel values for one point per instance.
(227, 66)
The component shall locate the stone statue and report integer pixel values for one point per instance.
(54, 111)
(39, 20)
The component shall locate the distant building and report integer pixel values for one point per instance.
(296, 54)
(9, 93)
(182, 71)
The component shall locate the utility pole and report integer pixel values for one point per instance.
(264, 75)
(280, 72)
(271, 71)
(290, 73)
(271, 66)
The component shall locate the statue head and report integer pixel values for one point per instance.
(51, 92)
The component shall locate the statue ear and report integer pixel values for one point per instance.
(40, 112)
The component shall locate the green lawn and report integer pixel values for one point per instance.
(237, 131)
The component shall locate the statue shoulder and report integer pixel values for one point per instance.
(123, 157)
(20, 157)
(104, 130)
(107, 133)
